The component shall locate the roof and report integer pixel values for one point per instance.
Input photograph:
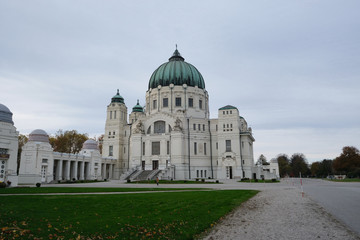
(117, 98)
(38, 135)
(5, 114)
(137, 107)
(228, 107)
(177, 72)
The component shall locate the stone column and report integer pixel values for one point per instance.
(75, 170)
(110, 171)
(67, 170)
(59, 170)
(103, 175)
(82, 169)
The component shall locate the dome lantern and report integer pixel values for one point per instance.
(117, 98)
(137, 107)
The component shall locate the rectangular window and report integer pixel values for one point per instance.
(200, 104)
(228, 145)
(204, 148)
(217, 145)
(194, 126)
(199, 127)
(113, 132)
(154, 104)
(195, 148)
(204, 173)
(204, 127)
(178, 102)
(155, 148)
(110, 114)
(143, 149)
(201, 172)
(216, 127)
(191, 102)
(168, 147)
(110, 151)
(165, 102)
(197, 173)
(114, 114)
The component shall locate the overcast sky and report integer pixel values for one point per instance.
(292, 68)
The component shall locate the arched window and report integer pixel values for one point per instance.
(159, 127)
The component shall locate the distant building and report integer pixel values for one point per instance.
(8, 146)
(171, 137)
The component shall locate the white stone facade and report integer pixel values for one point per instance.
(175, 135)
(8, 147)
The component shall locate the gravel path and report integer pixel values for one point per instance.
(280, 214)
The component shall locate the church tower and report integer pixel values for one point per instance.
(114, 145)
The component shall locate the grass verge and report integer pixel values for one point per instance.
(35, 190)
(176, 182)
(259, 181)
(175, 215)
(343, 180)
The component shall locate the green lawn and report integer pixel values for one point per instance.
(259, 181)
(344, 180)
(172, 215)
(34, 190)
(176, 182)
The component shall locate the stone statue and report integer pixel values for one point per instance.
(138, 128)
(177, 126)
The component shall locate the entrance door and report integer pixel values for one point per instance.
(43, 173)
(229, 174)
(2, 171)
(142, 165)
(155, 164)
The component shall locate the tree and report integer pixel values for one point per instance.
(68, 141)
(262, 161)
(322, 169)
(298, 164)
(348, 162)
(22, 141)
(100, 140)
(314, 169)
(284, 165)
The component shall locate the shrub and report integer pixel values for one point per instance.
(217, 181)
(59, 181)
(38, 184)
(203, 180)
(2, 185)
(185, 181)
(256, 180)
(73, 179)
(105, 180)
(197, 179)
(128, 181)
(245, 179)
(273, 179)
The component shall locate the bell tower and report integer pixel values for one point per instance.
(115, 132)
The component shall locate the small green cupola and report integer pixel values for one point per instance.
(137, 107)
(117, 98)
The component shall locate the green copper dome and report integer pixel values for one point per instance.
(117, 98)
(138, 108)
(177, 72)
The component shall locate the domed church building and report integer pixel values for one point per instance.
(173, 137)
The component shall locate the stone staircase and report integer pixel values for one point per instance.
(146, 175)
